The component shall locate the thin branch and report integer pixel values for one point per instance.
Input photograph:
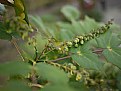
(98, 50)
(43, 51)
(17, 48)
(36, 53)
(45, 54)
(36, 85)
(56, 60)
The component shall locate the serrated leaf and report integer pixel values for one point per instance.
(15, 86)
(70, 12)
(109, 39)
(110, 43)
(5, 36)
(88, 24)
(113, 56)
(85, 58)
(40, 25)
(65, 35)
(51, 73)
(66, 31)
(14, 68)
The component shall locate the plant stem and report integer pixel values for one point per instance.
(56, 60)
(33, 77)
(36, 53)
(36, 85)
(17, 48)
(44, 54)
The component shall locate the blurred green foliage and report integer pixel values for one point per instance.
(62, 55)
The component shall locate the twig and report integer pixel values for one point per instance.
(56, 60)
(17, 48)
(35, 85)
(36, 53)
(98, 50)
(45, 54)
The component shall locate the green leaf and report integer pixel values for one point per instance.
(119, 80)
(84, 27)
(109, 39)
(38, 21)
(66, 31)
(5, 36)
(78, 86)
(65, 35)
(27, 56)
(14, 68)
(112, 52)
(51, 73)
(85, 58)
(42, 29)
(88, 24)
(113, 56)
(15, 86)
(57, 88)
(70, 12)
(2, 27)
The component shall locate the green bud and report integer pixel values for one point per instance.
(90, 34)
(59, 49)
(108, 27)
(81, 37)
(78, 76)
(66, 48)
(94, 35)
(82, 42)
(92, 82)
(85, 38)
(97, 31)
(104, 29)
(101, 31)
(75, 41)
(69, 44)
(76, 45)
(90, 37)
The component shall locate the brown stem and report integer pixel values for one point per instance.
(98, 50)
(56, 60)
(36, 85)
(17, 48)
(33, 77)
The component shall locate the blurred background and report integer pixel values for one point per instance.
(100, 10)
